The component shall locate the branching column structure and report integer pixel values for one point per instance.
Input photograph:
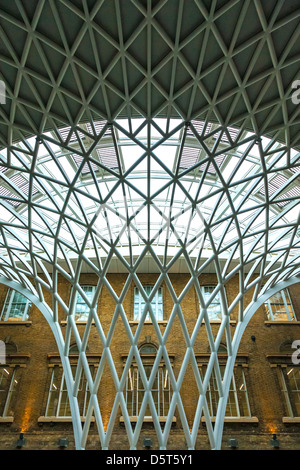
(195, 193)
(132, 138)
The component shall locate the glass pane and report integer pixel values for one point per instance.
(64, 409)
(5, 379)
(297, 403)
(214, 309)
(6, 304)
(129, 403)
(148, 371)
(54, 392)
(293, 376)
(241, 392)
(231, 409)
(84, 393)
(213, 394)
(156, 304)
(166, 393)
(82, 310)
(11, 400)
(279, 307)
(15, 307)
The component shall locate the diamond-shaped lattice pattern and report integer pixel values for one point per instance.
(132, 140)
(143, 209)
(66, 61)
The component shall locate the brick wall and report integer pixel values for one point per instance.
(35, 342)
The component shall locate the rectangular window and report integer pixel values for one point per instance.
(9, 379)
(82, 309)
(279, 307)
(156, 304)
(58, 402)
(238, 403)
(214, 310)
(290, 381)
(16, 307)
(135, 391)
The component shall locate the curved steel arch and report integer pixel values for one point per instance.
(73, 198)
(240, 329)
(68, 203)
(45, 310)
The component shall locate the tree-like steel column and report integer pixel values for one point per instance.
(159, 192)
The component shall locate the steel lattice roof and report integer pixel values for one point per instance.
(154, 136)
(232, 62)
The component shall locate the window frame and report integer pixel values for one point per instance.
(242, 362)
(10, 389)
(78, 315)
(148, 359)
(63, 390)
(54, 360)
(213, 287)
(137, 391)
(158, 302)
(6, 309)
(271, 315)
(212, 389)
(287, 392)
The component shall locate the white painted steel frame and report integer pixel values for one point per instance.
(259, 243)
(260, 265)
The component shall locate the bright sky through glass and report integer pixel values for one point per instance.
(166, 195)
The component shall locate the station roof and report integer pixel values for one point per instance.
(168, 124)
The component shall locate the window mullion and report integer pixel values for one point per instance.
(9, 393)
(9, 304)
(235, 396)
(285, 390)
(246, 392)
(50, 390)
(60, 394)
(286, 305)
(26, 310)
(270, 310)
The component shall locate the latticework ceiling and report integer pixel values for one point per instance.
(233, 62)
(149, 136)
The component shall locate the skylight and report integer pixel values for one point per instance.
(136, 183)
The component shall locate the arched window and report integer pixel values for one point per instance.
(10, 347)
(73, 349)
(286, 347)
(148, 349)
